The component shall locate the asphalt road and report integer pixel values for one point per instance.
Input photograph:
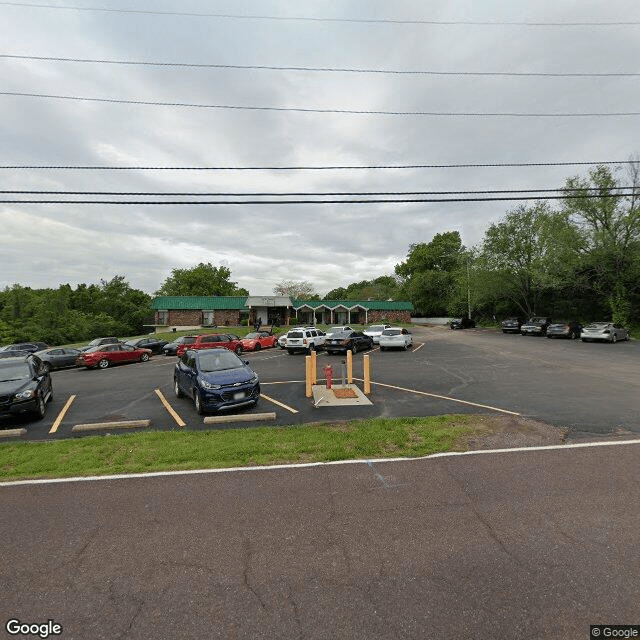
(590, 388)
(534, 544)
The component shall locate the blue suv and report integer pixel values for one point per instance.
(215, 379)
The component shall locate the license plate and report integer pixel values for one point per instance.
(239, 395)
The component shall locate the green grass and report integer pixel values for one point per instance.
(176, 450)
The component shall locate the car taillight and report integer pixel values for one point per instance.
(304, 341)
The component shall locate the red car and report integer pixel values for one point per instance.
(213, 341)
(108, 354)
(258, 340)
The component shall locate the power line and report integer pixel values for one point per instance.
(397, 21)
(313, 168)
(319, 201)
(324, 69)
(334, 111)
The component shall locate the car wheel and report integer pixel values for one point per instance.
(258, 346)
(354, 349)
(144, 357)
(614, 339)
(197, 400)
(41, 409)
(290, 352)
(406, 346)
(383, 348)
(312, 347)
(176, 389)
(46, 366)
(238, 350)
(103, 364)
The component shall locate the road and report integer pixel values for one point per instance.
(591, 389)
(525, 544)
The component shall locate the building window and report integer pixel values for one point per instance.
(208, 317)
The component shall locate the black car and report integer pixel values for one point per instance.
(31, 347)
(216, 379)
(171, 348)
(343, 341)
(25, 386)
(155, 344)
(462, 323)
(58, 357)
(511, 325)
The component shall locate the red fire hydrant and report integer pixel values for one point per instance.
(328, 374)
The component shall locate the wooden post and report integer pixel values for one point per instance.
(307, 377)
(367, 375)
(314, 367)
(349, 367)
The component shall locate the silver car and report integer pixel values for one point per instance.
(607, 331)
(375, 331)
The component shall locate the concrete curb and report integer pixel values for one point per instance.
(10, 433)
(126, 424)
(249, 417)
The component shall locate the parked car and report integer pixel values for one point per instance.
(58, 357)
(13, 354)
(375, 331)
(309, 339)
(171, 348)
(282, 340)
(343, 341)
(395, 337)
(155, 344)
(213, 341)
(106, 355)
(331, 330)
(98, 342)
(607, 331)
(511, 325)
(257, 340)
(462, 323)
(536, 326)
(216, 379)
(564, 329)
(25, 386)
(30, 347)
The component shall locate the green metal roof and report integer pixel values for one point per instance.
(378, 305)
(211, 303)
(199, 303)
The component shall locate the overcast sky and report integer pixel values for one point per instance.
(330, 245)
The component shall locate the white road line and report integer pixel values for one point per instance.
(435, 395)
(280, 404)
(419, 347)
(156, 474)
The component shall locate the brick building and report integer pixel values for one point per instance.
(193, 312)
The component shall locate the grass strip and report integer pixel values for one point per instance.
(163, 451)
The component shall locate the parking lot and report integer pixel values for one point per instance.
(589, 388)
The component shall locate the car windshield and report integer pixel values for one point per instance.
(252, 336)
(392, 332)
(219, 360)
(18, 371)
(295, 334)
(376, 327)
(342, 334)
(188, 339)
(597, 325)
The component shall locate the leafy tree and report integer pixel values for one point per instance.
(381, 288)
(611, 224)
(531, 252)
(428, 273)
(202, 280)
(296, 289)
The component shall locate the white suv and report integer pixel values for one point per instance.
(308, 339)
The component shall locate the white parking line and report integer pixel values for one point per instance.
(435, 395)
(418, 347)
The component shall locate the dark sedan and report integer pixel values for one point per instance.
(31, 347)
(58, 357)
(25, 386)
(216, 379)
(171, 348)
(511, 325)
(155, 344)
(343, 341)
(462, 323)
(565, 329)
(536, 326)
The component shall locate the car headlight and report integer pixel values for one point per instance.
(26, 394)
(208, 385)
(254, 378)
